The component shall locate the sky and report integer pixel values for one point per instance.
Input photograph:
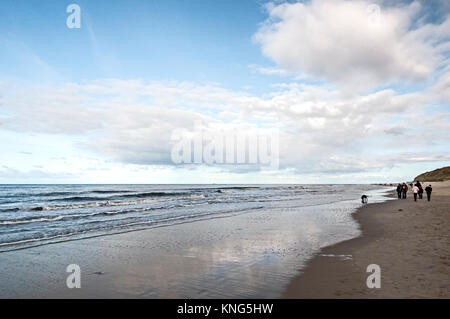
(320, 91)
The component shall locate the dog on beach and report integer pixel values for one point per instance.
(364, 199)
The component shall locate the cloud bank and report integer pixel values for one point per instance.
(354, 44)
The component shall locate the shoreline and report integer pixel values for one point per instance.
(408, 240)
(252, 255)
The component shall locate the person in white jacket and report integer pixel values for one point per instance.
(415, 191)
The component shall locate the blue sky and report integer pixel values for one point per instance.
(173, 40)
(357, 91)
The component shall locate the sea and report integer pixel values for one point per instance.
(35, 215)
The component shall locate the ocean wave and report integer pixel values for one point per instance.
(73, 216)
(116, 203)
(153, 223)
(36, 219)
(31, 240)
(126, 203)
(65, 193)
(116, 197)
(7, 210)
(224, 191)
(109, 191)
(30, 220)
(240, 187)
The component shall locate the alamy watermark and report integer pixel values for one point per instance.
(73, 21)
(238, 147)
(74, 279)
(373, 10)
(374, 279)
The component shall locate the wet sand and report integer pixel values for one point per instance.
(251, 255)
(410, 241)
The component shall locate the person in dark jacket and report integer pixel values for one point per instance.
(399, 191)
(404, 190)
(428, 190)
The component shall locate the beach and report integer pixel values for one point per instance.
(408, 240)
(212, 241)
(295, 241)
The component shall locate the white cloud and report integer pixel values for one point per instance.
(132, 121)
(268, 70)
(345, 43)
(442, 88)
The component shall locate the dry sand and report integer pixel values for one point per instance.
(410, 241)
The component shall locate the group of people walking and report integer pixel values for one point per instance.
(402, 190)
